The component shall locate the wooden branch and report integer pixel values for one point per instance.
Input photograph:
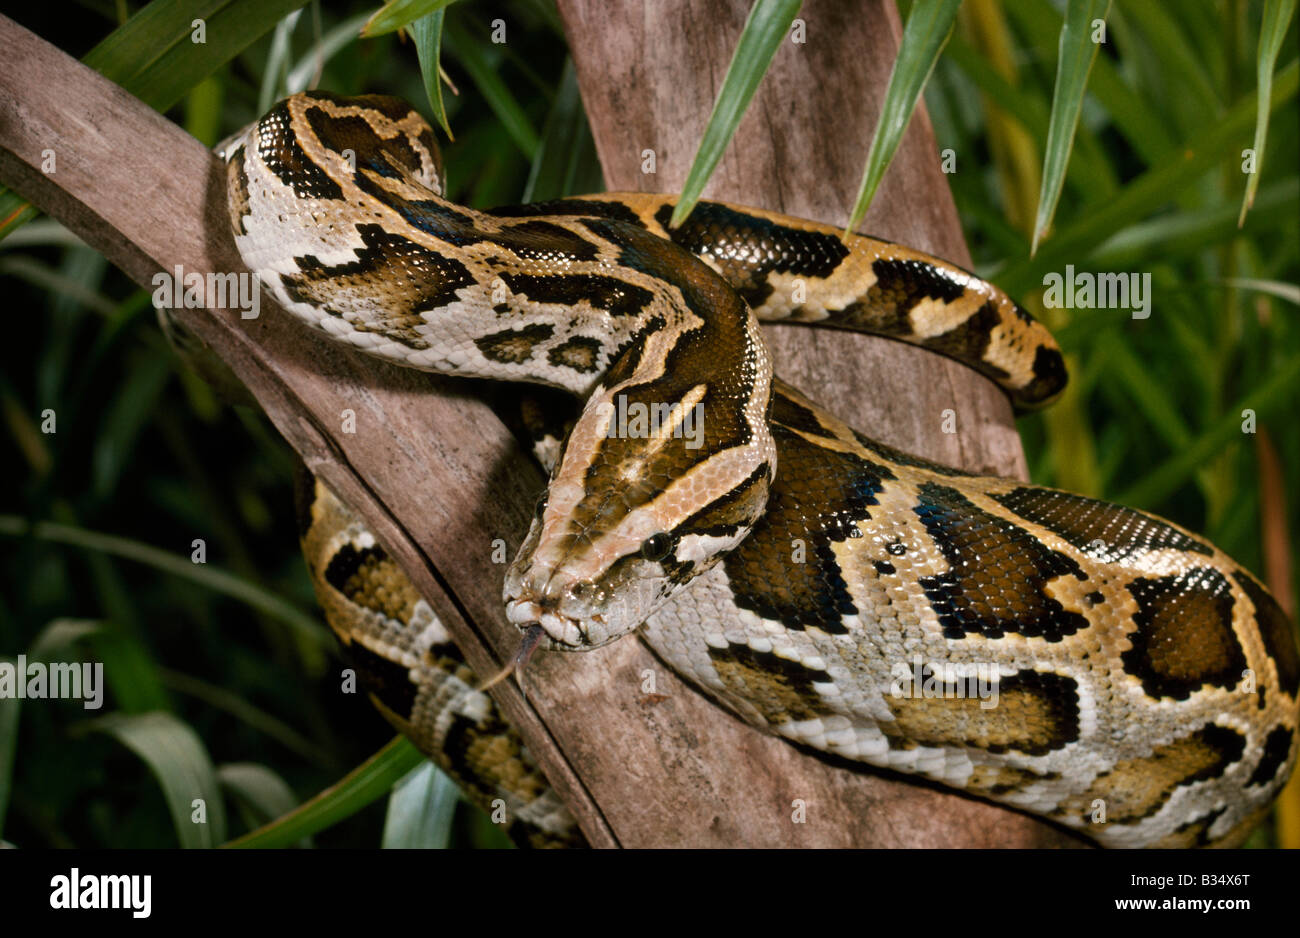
(649, 76)
(437, 478)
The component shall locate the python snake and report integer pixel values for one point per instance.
(1134, 683)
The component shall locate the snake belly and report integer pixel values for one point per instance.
(868, 603)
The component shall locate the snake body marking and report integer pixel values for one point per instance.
(1135, 665)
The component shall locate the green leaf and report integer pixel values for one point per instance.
(260, 788)
(239, 707)
(927, 30)
(275, 73)
(362, 786)
(302, 74)
(177, 565)
(61, 634)
(1283, 291)
(1272, 32)
(1187, 72)
(129, 671)
(1179, 234)
(427, 35)
(1145, 194)
(203, 111)
(1095, 178)
(57, 282)
(765, 28)
(1142, 124)
(474, 58)
(176, 757)
(15, 211)
(566, 162)
(131, 409)
(420, 810)
(1076, 53)
(395, 14)
(1270, 397)
(154, 54)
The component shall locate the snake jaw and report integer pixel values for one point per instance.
(567, 632)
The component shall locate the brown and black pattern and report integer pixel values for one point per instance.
(514, 346)
(781, 689)
(1277, 747)
(386, 680)
(393, 157)
(426, 694)
(1275, 631)
(819, 499)
(747, 247)
(994, 780)
(237, 187)
(580, 353)
(997, 572)
(1036, 713)
(392, 260)
(281, 150)
(1136, 789)
(611, 294)
(1184, 638)
(1108, 533)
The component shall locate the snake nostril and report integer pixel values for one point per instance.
(582, 589)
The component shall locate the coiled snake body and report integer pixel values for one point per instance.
(1133, 681)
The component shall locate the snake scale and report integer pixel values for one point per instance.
(1138, 685)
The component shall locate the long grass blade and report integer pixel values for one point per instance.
(1269, 398)
(331, 44)
(275, 73)
(261, 791)
(927, 30)
(1144, 126)
(362, 786)
(474, 58)
(765, 28)
(205, 575)
(176, 757)
(1278, 288)
(1147, 193)
(396, 14)
(566, 162)
(1076, 53)
(427, 34)
(1272, 32)
(420, 810)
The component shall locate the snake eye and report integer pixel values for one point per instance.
(541, 506)
(656, 547)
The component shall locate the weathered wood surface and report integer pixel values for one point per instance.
(649, 76)
(438, 478)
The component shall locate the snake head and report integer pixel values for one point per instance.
(657, 481)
